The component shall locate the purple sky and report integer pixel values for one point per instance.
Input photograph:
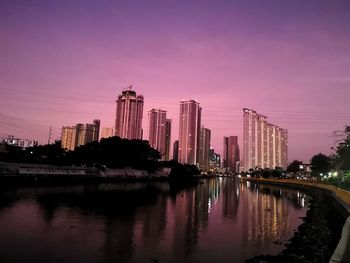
(65, 62)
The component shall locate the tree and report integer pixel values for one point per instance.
(320, 164)
(294, 167)
(342, 157)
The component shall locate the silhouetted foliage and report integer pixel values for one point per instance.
(342, 156)
(115, 152)
(267, 173)
(12, 154)
(320, 163)
(294, 167)
(48, 154)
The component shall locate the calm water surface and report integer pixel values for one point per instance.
(220, 220)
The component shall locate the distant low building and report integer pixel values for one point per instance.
(23, 143)
(214, 162)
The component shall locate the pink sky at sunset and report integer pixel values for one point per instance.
(65, 62)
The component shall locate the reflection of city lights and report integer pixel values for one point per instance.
(302, 202)
(248, 184)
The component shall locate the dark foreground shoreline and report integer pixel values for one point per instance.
(316, 238)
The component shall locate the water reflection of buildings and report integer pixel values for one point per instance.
(266, 214)
(230, 198)
(191, 213)
(171, 225)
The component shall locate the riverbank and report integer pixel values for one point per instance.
(324, 236)
(13, 175)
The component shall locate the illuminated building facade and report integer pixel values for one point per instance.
(214, 161)
(80, 134)
(264, 145)
(107, 132)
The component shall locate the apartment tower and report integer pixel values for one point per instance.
(80, 134)
(159, 132)
(189, 132)
(231, 154)
(129, 112)
(265, 145)
(204, 149)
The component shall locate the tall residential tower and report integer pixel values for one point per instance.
(159, 132)
(189, 131)
(231, 154)
(128, 123)
(264, 145)
(204, 149)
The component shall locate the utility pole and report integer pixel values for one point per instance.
(50, 133)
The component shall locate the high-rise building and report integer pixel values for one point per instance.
(107, 132)
(80, 134)
(204, 149)
(189, 131)
(129, 113)
(68, 136)
(284, 148)
(96, 130)
(231, 154)
(264, 145)
(176, 151)
(158, 128)
(167, 138)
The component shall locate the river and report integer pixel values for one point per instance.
(219, 220)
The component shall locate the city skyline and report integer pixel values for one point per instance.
(65, 63)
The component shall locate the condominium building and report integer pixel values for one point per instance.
(159, 132)
(176, 151)
(204, 149)
(231, 159)
(189, 131)
(264, 145)
(167, 139)
(80, 134)
(129, 113)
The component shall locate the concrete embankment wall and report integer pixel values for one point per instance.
(23, 170)
(342, 198)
